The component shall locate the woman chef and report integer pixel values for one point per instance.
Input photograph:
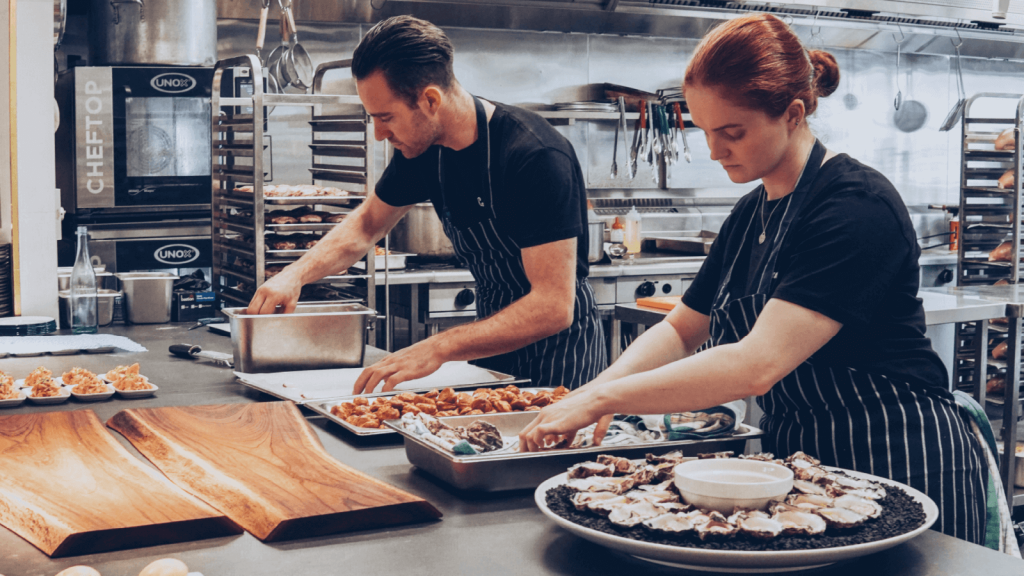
(808, 295)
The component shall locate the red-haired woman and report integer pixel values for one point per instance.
(808, 294)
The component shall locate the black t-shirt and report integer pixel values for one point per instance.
(539, 191)
(852, 255)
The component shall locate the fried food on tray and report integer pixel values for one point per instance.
(363, 413)
(36, 376)
(132, 382)
(83, 381)
(45, 388)
(7, 389)
(115, 374)
(293, 191)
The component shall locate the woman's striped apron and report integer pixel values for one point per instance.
(570, 358)
(855, 420)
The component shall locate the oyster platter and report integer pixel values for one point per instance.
(830, 514)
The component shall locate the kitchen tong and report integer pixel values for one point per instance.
(656, 135)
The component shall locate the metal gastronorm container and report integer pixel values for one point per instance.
(324, 407)
(483, 473)
(314, 337)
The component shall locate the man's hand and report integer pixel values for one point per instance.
(280, 294)
(562, 420)
(414, 362)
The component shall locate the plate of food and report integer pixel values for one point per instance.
(48, 391)
(86, 386)
(10, 395)
(134, 386)
(831, 514)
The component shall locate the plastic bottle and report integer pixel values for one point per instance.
(616, 249)
(84, 315)
(632, 231)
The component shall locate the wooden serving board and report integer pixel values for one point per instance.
(68, 487)
(263, 466)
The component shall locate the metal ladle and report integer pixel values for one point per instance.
(954, 115)
(899, 93)
(276, 54)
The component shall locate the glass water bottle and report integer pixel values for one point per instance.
(84, 314)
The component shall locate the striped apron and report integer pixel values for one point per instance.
(570, 358)
(856, 420)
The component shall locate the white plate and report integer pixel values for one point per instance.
(65, 393)
(103, 377)
(65, 352)
(93, 397)
(734, 560)
(138, 393)
(14, 401)
(21, 383)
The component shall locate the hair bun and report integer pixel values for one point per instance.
(826, 72)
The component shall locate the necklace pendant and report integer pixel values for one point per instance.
(760, 239)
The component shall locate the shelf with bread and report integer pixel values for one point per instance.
(989, 252)
(262, 224)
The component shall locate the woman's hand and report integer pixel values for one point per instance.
(563, 419)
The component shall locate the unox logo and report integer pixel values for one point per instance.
(176, 254)
(173, 82)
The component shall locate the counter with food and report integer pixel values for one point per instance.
(503, 533)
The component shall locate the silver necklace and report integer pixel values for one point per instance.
(764, 227)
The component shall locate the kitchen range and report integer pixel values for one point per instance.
(251, 376)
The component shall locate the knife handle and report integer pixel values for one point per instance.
(185, 350)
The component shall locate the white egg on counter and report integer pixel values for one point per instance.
(79, 571)
(165, 567)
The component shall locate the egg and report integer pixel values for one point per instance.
(79, 571)
(165, 567)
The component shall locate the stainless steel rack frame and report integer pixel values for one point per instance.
(990, 215)
(239, 218)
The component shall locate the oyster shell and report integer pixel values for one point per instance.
(674, 457)
(631, 514)
(841, 517)
(876, 493)
(717, 526)
(807, 487)
(644, 475)
(672, 523)
(583, 500)
(863, 506)
(759, 526)
(794, 522)
(809, 502)
(619, 485)
(620, 466)
(653, 496)
(660, 487)
(796, 458)
(605, 507)
(588, 469)
(740, 512)
(762, 456)
(726, 454)
(663, 472)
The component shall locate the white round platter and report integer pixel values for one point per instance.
(737, 560)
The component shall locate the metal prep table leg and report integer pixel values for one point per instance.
(616, 338)
(980, 362)
(414, 314)
(1010, 408)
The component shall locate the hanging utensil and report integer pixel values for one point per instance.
(275, 55)
(899, 43)
(296, 64)
(682, 131)
(615, 152)
(270, 86)
(622, 121)
(954, 115)
(650, 134)
(634, 151)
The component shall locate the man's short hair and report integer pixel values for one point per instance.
(411, 53)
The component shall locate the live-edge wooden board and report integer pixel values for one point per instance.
(68, 487)
(263, 466)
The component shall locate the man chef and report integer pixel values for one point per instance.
(510, 194)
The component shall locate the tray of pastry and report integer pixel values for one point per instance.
(513, 470)
(335, 409)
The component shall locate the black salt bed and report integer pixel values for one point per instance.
(900, 514)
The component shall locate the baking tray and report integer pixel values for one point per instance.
(302, 200)
(699, 243)
(324, 407)
(517, 471)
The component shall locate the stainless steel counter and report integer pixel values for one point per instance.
(492, 534)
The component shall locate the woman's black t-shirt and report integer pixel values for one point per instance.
(852, 255)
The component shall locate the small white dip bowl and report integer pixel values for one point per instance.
(724, 484)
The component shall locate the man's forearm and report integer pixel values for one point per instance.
(345, 244)
(525, 321)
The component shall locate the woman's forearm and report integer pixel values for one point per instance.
(656, 347)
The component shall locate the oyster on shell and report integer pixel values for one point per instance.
(583, 500)
(807, 487)
(798, 458)
(799, 522)
(660, 487)
(672, 523)
(633, 513)
(862, 506)
(674, 457)
(717, 526)
(841, 517)
(588, 469)
(809, 502)
(711, 455)
(652, 496)
(620, 466)
(644, 475)
(758, 526)
(875, 493)
(605, 507)
(619, 485)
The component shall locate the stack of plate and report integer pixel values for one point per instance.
(6, 282)
(596, 106)
(27, 326)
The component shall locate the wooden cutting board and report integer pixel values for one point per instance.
(659, 302)
(263, 466)
(68, 487)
